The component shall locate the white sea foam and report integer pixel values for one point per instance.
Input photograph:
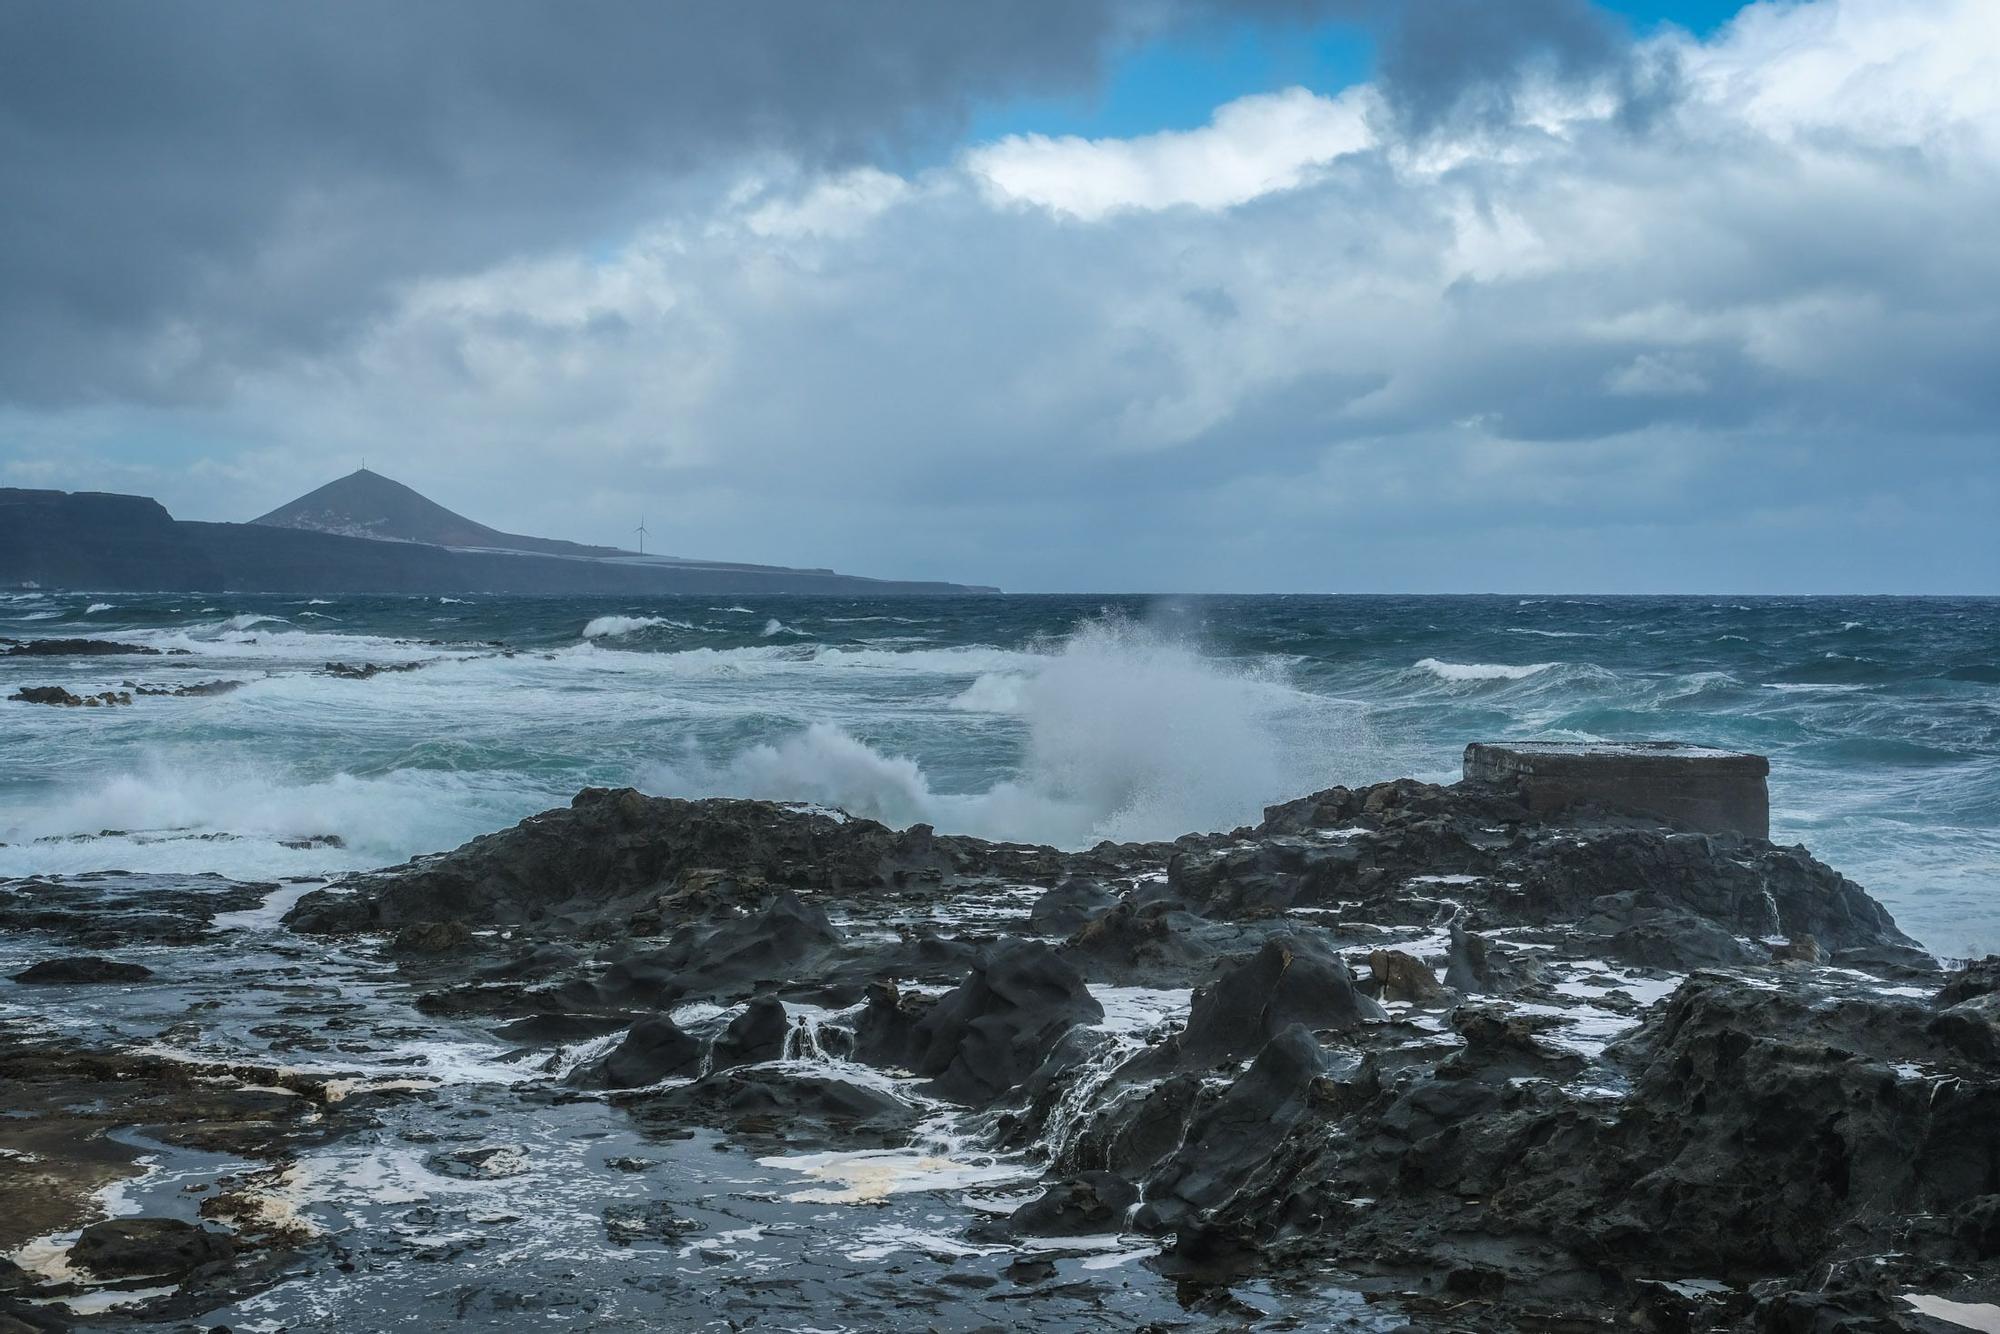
(883, 1240)
(871, 1175)
(276, 640)
(774, 626)
(1981, 1316)
(96, 607)
(605, 627)
(1140, 1010)
(1129, 734)
(162, 810)
(993, 692)
(1480, 671)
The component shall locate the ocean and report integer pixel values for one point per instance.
(1063, 720)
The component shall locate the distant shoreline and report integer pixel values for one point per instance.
(102, 542)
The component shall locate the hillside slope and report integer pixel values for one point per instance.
(367, 504)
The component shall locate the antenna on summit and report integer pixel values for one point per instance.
(641, 530)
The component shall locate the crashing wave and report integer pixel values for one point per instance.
(1480, 671)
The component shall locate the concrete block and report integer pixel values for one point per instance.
(1716, 791)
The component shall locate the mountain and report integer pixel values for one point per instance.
(98, 541)
(367, 504)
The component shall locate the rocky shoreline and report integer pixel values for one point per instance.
(1469, 1067)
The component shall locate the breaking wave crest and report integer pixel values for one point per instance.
(1128, 734)
(605, 627)
(1481, 671)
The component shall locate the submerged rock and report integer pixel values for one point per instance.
(364, 671)
(196, 690)
(492, 1162)
(777, 1103)
(654, 1220)
(83, 968)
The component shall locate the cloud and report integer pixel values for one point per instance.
(1450, 62)
(1742, 342)
(193, 189)
(1255, 145)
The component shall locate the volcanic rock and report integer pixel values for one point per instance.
(59, 696)
(83, 968)
(780, 1103)
(1229, 1143)
(432, 937)
(1092, 1202)
(610, 852)
(1292, 980)
(76, 648)
(654, 1049)
(1402, 977)
(758, 1034)
(196, 690)
(986, 1036)
(1065, 909)
(149, 1247)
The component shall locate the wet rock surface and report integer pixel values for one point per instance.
(83, 968)
(150, 1248)
(364, 671)
(77, 648)
(192, 690)
(60, 697)
(107, 910)
(1399, 1057)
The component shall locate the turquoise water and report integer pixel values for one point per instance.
(1057, 719)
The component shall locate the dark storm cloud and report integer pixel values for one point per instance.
(196, 190)
(1450, 61)
(192, 188)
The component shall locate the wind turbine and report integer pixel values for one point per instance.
(641, 530)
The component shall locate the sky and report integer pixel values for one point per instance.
(1063, 295)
